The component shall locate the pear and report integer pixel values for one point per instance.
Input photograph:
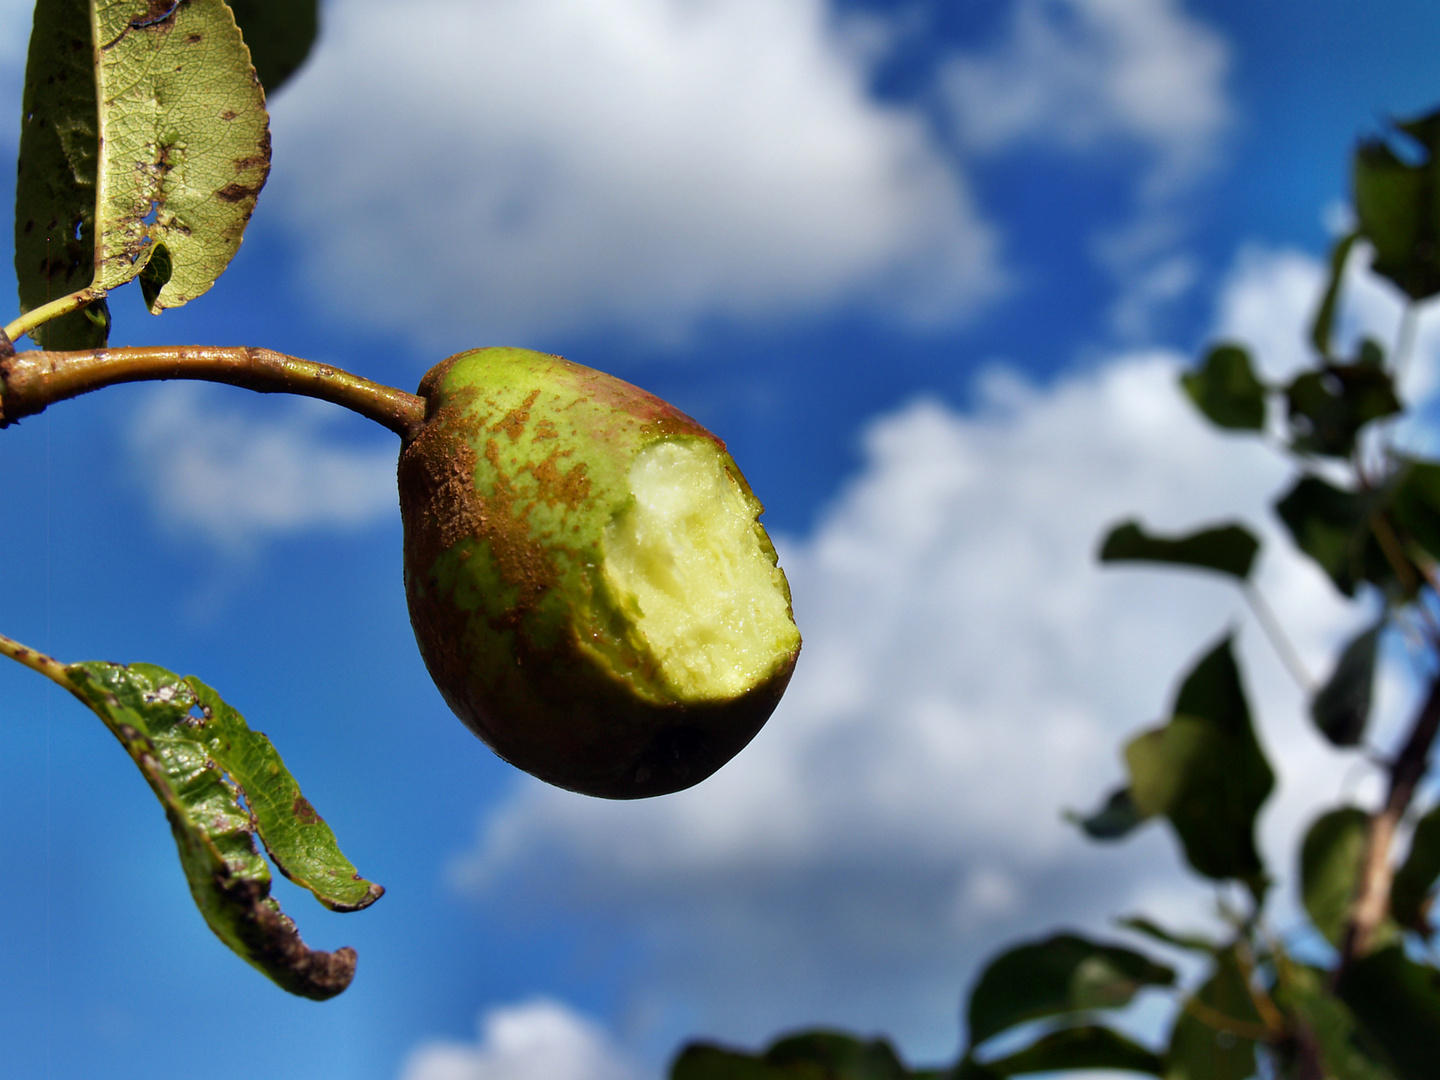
(587, 579)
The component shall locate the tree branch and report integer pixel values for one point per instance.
(1372, 899)
(30, 381)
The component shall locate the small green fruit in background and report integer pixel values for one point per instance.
(588, 582)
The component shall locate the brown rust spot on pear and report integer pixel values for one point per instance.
(516, 419)
(504, 524)
(569, 487)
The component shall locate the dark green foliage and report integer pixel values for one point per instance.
(1323, 1028)
(1226, 390)
(817, 1055)
(1332, 526)
(156, 274)
(702, 1061)
(1086, 1047)
(1397, 1002)
(1409, 895)
(1226, 549)
(280, 34)
(1415, 504)
(1205, 771)
(1398, 206)
(1117, 818)
(1330, 861)
(1341, 708)
(1215, 1034)
(1062, 974)
(1193, 942)
(1328, 407)
(1324, 324)
(55, 184)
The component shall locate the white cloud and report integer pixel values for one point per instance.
(1083, 74)
(233, 480)
(539, 1040)
(1273, 292)
(531, 167)
(968, 673)
(1108, 77)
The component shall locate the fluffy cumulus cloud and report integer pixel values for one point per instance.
(513, 167)
(538, 1040)
(1100, 76)
(221, 475)
(1085, 73)
(968, 673)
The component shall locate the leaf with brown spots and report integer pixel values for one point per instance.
(184, 142)
(144, 130)
(221, 784)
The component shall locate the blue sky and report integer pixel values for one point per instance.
(930, 269)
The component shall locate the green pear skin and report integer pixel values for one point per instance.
(506, 492)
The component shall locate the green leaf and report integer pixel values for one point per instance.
(1324, 323)
(156, 274)
(184, 142)
(1330, 860)
(1141, 925)
(1226, 549)
(703, 1061)
(1087, 1046)
(1398, 206)
(1329, 407)
(838, 1056)
(1333, 527)
(1410, 891)
(1118, 817)
(1341, 708)
(1397, 1004)
(1205, 771)
(55, 182)
(143, 128)
(1300, 991)
(1215, 1034)
(1062, 974)
(1226, 390)
(201, 760)
(1416, 504)
(812, 1055)
(280, 34)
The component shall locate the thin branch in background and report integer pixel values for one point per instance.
(1279, 640)
(1372, 900)
(1404, 342)
(1399, 365)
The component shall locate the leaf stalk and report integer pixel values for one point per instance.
(53, 310)
(48, 666)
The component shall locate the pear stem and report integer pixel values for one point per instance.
(30, 381)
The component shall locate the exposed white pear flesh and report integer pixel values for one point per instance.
(688, 562)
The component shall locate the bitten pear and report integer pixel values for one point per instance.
(587, 578)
